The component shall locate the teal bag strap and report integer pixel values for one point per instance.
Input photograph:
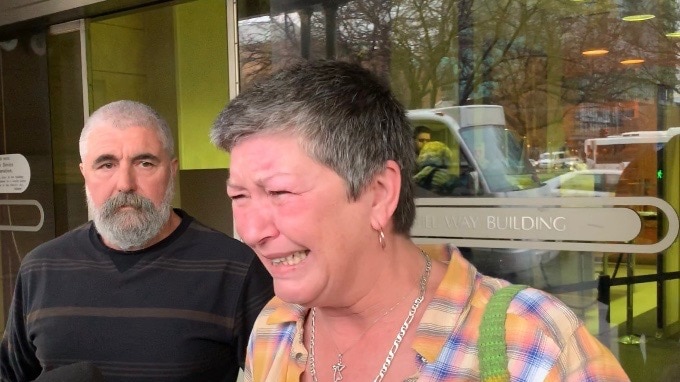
(493, 358)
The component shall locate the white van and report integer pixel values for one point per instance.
(555, 159)
(559, 160)
(486, 159)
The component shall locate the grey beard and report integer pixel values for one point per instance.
(131, 228)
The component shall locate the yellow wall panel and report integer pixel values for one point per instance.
(202, 80)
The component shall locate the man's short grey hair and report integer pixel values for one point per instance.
(123, 114)
(345, 116)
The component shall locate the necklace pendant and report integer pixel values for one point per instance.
(337, 369)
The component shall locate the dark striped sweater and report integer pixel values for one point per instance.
(181, 310)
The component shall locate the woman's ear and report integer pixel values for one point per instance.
(386, 187)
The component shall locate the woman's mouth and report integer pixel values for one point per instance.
(295, 258)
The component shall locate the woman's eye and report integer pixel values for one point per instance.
(278, 193)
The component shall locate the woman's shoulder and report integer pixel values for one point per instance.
(278, 314)
(535, 312)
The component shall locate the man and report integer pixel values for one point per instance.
(421, 135)
(143, 292)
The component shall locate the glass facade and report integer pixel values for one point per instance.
(589, 107)
(26, 214)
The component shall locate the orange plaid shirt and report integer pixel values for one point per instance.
(545, 340)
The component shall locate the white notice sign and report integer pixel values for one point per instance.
(15, 174)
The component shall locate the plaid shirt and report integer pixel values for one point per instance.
(547, 341)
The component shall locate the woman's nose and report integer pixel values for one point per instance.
(254, 225)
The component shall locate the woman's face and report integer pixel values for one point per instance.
(295, 214)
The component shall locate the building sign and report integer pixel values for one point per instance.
(15, 174)
(533, 223)
(605, 224)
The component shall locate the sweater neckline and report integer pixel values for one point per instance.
(124, 260)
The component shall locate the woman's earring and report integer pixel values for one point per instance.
(381, 238)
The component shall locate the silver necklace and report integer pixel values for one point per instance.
(339, 366)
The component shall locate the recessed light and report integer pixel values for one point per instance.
(594, 52)
(640, 17)
(631, 61)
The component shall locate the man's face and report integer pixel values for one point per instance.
(128, 182)
(422, 139)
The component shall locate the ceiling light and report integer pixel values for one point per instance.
(639, 17)
(594, 52)
(631, 61)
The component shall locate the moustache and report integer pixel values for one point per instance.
(120, 200)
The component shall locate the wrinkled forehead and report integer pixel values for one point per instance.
(107, 139)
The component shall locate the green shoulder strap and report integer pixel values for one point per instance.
(493, 359)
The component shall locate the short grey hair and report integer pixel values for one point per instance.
(346, 119)
(123, 114)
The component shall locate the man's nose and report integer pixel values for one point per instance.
(126, 179)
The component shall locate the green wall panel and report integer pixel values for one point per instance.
(202, 80)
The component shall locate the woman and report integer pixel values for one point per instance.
(320, 181)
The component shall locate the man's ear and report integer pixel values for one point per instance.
(386, 187)
(174, 166)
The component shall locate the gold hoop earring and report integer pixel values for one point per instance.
(381, 238)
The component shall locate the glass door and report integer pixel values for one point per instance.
(26, 196)
(66, 58)
(41, 109)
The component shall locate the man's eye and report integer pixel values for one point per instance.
(235, 196)
(106, 165)
(146, 164)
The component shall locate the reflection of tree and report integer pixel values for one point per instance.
(364, 34)
(526, 56)
(255, 53)
(422, 54)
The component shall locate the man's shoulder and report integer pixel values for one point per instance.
(198, 228)
(62, 244)
(203, 235)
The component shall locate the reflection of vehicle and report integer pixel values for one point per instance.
(559, 160)
(488, 159)
(596, 182)
(574, 164)
(616, 151)
(555, 159)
